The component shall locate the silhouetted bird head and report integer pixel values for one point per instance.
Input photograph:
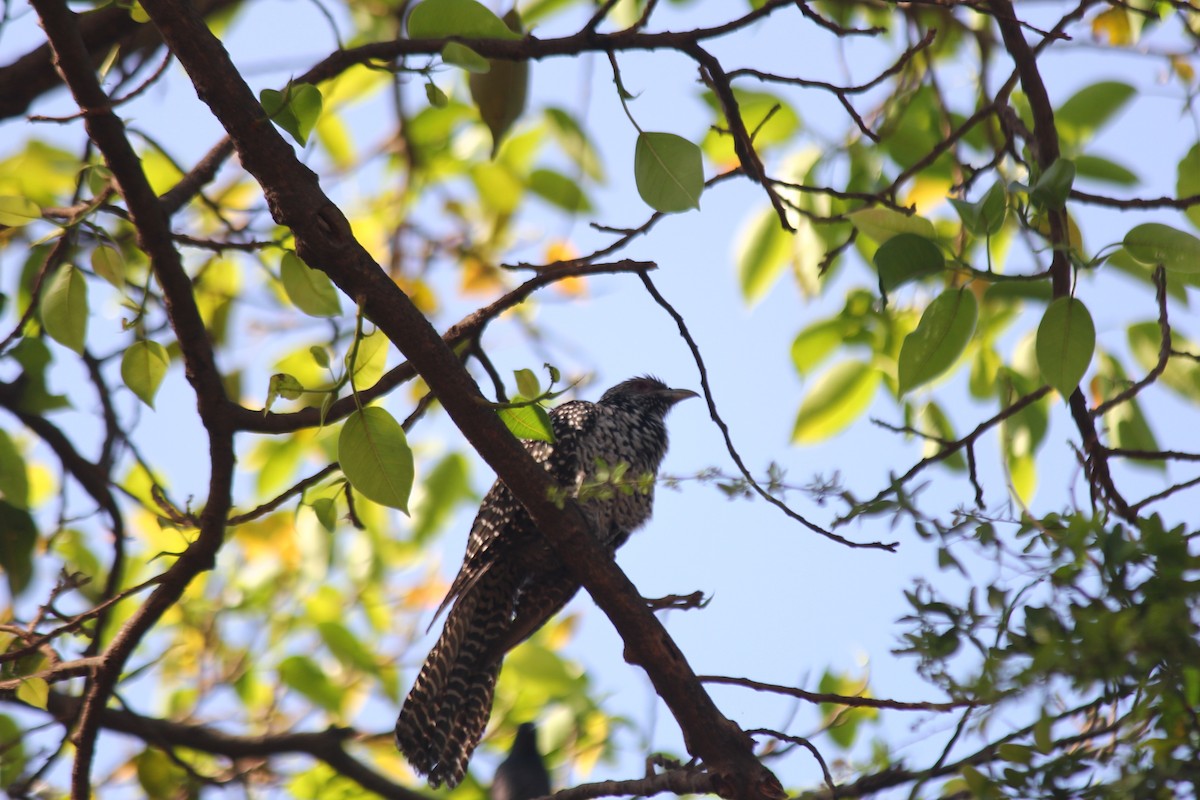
(646, 394)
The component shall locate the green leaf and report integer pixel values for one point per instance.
(939, 339)
(460, 55)
(65, 308)
(836, 399)
(375, 457)
(295, 110)
(1127, 426)
(1066, 339)
(499, 189)
(816, 343)
(34, 691)
(984, 217)
(669, 172)
(527, 421)
(12, 766)
(14, 474)
(160, 777)
(574, 141)
(18, 211)
(1182, 375)
(1187, 183)
(556, 188)
(762, 253)
(1054, 186)
(310, 290)
(439, 19)
(16, 546)
(445, 486)
(527, 383)
(301, 674)
(1155, 244)
(143, 367)
(437, 98)
(1085, 112)
(346, 647)
(285, 386)
(881, 224)
(906, 257)
(370, 360)
(500, 91)
(108, 263)
(936, 423)
(1102, 169)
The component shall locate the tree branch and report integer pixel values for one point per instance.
(324, 240)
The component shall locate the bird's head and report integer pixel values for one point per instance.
(645, 393)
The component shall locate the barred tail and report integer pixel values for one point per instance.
(447, 710)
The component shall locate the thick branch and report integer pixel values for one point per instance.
(154, 238)
(325, 241)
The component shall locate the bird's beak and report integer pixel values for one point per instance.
(675, 395)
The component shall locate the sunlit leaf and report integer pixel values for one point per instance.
(462, 56)
(375, 457)
(108, 263)
(762, 254)
(1112, 25)
(816, 343)
(445, 486)
(310, 290)
(574, 141)
(527, 383)
(881, 224)
(301, 674)
(939, 339)
(64, 308)
(438, 19)
(836, 399)
(295, 110)
(1066, 340)
(668, 171)
(34, 691)
(18, 211)
(527, 421)
(143, 367)
(1127, 426)
(1181, 375)
(1155, 244)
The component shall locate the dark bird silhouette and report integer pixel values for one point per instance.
(523, 775)
(511, 582)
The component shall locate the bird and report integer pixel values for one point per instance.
(523, 775)
(511, 582)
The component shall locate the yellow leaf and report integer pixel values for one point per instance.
(927, 193)
(1183, 68)
(272, 537)
(419, 292)
(479, 277)
(1113, 26)
(572, 287)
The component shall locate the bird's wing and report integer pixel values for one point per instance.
(569, 421)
